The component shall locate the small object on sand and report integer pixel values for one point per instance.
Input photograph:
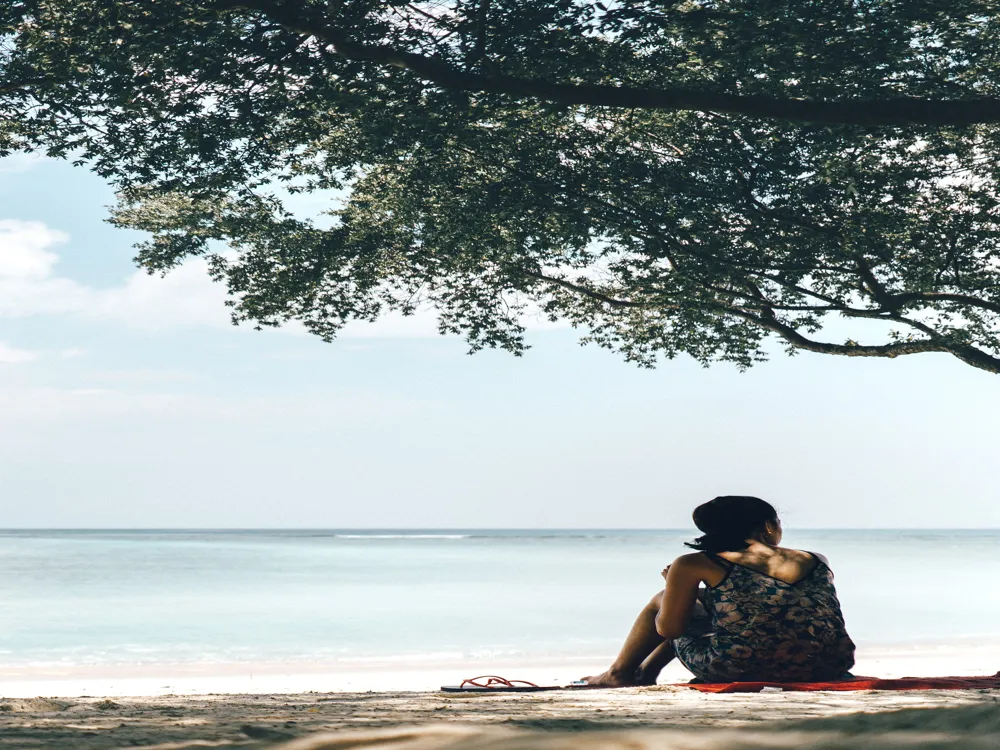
(771, 689)
(491, 683)
(494, 684)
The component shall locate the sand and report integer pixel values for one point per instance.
(270, 706)
(978, 657)
(633, 718)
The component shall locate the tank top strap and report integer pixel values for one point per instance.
(818, 565)
(817, 560)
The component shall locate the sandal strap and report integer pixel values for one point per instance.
(493, 681)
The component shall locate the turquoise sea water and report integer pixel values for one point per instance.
(119, 597)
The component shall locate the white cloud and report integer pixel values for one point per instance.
(30, 286)
(11, 356)
(24, 250)
(185, 297)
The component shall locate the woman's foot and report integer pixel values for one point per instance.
(614, 678)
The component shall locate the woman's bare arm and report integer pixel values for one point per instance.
(682, 576)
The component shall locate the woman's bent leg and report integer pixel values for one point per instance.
(643, 644)
(653, 664)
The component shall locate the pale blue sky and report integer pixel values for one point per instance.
(127, 400)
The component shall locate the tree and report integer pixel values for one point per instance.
(672, 177)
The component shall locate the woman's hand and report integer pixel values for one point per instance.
(664, 573)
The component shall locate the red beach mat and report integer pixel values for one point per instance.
(856, 683)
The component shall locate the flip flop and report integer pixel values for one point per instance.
(495, 684)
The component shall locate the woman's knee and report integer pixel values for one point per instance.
(656, 602)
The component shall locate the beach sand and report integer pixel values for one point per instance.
(271, 706)
(633, 718)
(981, 657)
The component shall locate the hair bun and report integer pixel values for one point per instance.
(729, 520)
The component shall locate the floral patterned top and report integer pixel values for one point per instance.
(759, 628)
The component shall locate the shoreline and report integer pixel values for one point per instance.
(407, 675)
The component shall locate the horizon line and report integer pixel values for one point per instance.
(469, 528)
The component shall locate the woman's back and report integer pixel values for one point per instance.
(774, 615)
(781, 563)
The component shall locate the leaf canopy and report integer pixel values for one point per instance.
(671, 177)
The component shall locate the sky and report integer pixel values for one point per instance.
(128, 400)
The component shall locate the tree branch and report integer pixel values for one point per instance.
(832, 301)
(587, 291)
(882, 313)
(10, 87)
(968, 354)
(959, 299)
(875, 286)
(482, 15)
(769, 321)
(892, 110)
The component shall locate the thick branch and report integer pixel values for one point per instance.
(875, 286)
(792, 336)
(885, 111)
(884, 314)
(765, 318)
(968, 354)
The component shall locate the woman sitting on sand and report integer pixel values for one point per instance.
(767, 613)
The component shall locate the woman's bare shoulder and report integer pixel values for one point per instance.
(694, 561)
(805, 556)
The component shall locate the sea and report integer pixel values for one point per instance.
(153, 597)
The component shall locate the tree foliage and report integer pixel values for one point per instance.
(670, 176)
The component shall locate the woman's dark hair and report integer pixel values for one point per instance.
(728, 521)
